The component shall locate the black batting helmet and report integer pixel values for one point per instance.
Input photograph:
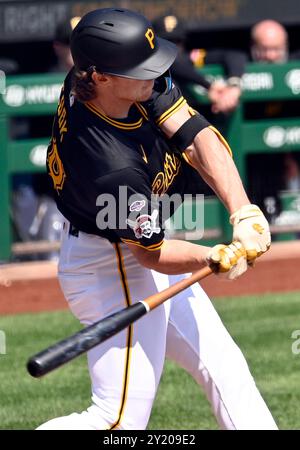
(120, 42)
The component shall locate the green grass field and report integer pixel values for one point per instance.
(262, 326)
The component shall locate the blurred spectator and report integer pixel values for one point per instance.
(34, 211)
(223, 96)
(9, 66)
(291, 173)
(61, 45)
(269, 43)
(290, 197)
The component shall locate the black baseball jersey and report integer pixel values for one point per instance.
(108, 173)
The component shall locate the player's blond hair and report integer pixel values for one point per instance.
(83, 86)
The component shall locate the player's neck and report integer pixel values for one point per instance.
(110, 108)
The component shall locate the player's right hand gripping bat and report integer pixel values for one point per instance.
(67, 349)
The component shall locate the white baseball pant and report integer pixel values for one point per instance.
(98, 279)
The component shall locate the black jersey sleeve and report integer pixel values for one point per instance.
(127, 208)
(161, 106)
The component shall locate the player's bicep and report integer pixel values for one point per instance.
(171, 125)
(189, 131)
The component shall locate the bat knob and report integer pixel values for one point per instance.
(34, 367)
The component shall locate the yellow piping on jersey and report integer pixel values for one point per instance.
(222, 139)
(171, 111)
(144, 154)
(142, 110)
(124, 283)
(150, 248)
(192, 111)
(115, 123)
(187, 159)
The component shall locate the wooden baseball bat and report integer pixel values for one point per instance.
(84, 340)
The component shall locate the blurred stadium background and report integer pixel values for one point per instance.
(261, 310)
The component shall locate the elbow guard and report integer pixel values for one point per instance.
(185, 135)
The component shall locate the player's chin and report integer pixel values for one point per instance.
(146, 92)
(145, 95)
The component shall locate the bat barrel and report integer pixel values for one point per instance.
(68, 349)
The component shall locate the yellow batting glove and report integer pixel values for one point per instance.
(228, 260)
(250, 227)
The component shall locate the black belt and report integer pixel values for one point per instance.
(73, 230)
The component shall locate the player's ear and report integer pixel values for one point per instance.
(100, 78)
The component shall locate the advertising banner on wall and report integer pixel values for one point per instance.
(35, 20)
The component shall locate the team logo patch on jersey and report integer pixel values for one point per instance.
(144, 225)
(138, 205)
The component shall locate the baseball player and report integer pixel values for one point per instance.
(121, 125)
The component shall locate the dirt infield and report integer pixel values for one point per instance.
(31, 287)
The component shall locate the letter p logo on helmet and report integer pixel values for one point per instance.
(150, 37)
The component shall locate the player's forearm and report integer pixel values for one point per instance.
(210, 157)
(174, 257)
